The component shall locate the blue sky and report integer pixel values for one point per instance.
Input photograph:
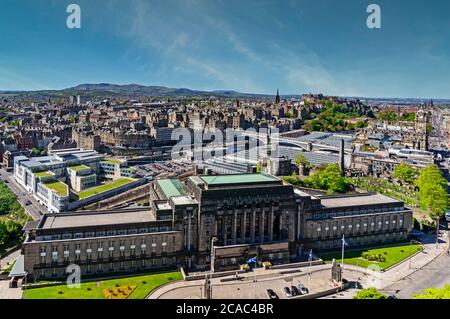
(253, 46)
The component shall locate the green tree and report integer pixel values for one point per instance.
(433, 195)
(301, 159)
(434, 293)
(405, 172)
(369, 293)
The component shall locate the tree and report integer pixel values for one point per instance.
(433, 192)
(301, 159)
(369, 293)
(405, 172)
(434, 293)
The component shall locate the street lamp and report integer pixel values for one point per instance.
(213, 240)
(410, 243)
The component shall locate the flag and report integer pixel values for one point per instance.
(251, 260)
(343, 241)
(310, 255)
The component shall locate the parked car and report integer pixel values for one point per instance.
(272, 294)
(287, 292)
(303, 290)
(295, 291)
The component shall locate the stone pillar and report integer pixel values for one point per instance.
(243, 227)
(252, 226)
(234, 226)
(224, 230)
(261, 226)
(271, 225)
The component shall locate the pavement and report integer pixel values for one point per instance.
(247, 287)
(428, 268)
(9, 293)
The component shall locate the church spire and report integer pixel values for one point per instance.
(277, 98)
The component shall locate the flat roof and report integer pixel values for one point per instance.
(58, 187)
(78, 168)
(171, 187)
(238, 179)
(183, 200)
(95, 219)
(357, 200)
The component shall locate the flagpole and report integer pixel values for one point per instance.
(254, 278)
(310, 264)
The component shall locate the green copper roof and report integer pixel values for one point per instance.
(171, 187)
(238, 179)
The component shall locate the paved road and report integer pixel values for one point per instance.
(35, 210)
(436, 274)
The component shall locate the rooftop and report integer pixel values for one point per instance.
(112, 161)
(171, 187)
(68, 220)
(238, 179)
(103, 188)
(78, 168)
(357, 200)
(42, 174)
(60, 188)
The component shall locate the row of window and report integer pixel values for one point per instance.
(99, 268)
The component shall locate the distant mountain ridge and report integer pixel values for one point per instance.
(137, 89)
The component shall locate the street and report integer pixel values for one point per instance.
(35, 210)
(436, 274)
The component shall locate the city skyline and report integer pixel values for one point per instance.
(251, 47)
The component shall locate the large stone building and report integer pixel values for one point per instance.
(249, 215)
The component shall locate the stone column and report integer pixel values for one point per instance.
(243, 226)
(234, 226)
(224, 230)
(252, 226)
(261, 226)
(271, 225)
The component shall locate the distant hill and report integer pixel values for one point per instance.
(107, 89)
(136, 89)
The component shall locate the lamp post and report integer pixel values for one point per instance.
(213, 240)
(410, 243)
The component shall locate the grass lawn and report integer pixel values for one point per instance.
(393, 255)
(43, 174)
(103, 188)
(144, 285)
(78, 168)
(58, 187)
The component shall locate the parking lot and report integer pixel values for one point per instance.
(248, 289)
(167, 167)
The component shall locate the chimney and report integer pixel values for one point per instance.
(342, 156)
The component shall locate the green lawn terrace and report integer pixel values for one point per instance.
(43, 174)
(112, 161)
(143, 285)
(390, 255)
(103, 188)
(78, 168)
(60, 188)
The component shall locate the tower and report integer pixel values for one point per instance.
(422, 119)
(277, 98)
